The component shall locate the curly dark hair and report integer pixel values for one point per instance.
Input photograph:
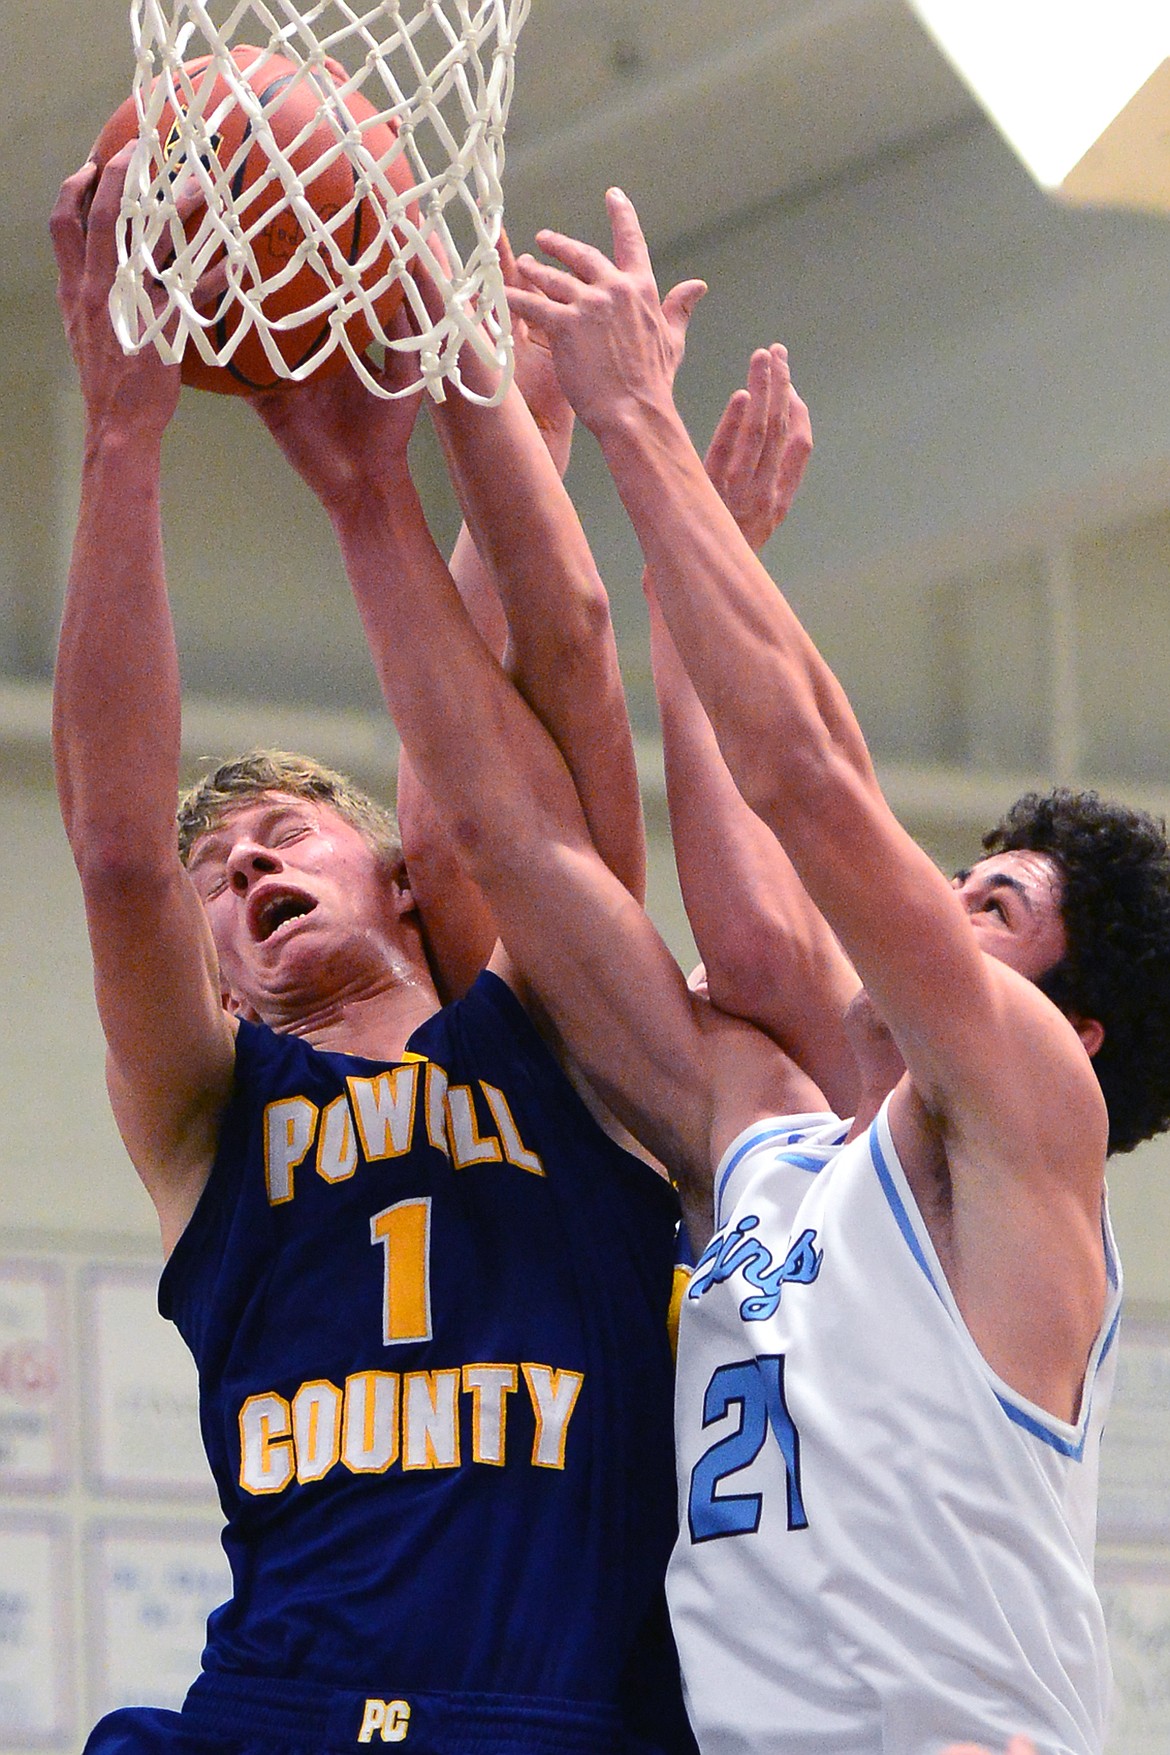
(1115, 865)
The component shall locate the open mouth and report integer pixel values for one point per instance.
(275, 909)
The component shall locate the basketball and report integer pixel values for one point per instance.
(329, 187)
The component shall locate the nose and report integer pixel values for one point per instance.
(247, 862)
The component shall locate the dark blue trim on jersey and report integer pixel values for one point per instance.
(798, 1160)
(1029, 1422)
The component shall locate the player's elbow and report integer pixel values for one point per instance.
(510, 838)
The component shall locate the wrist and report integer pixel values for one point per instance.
(120, 440)
(631, 420)
(643, 438)
(369, 504)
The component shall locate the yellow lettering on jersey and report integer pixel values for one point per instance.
(385, 1111)
(266, 1456)
(554, 1396)
(430, 1420)
(488, 1386)
(404, 1231)
(515, 1150)
(390, 1718)
(436, 1108)
(468, 1145)
(289, 1126)
(337, 1152)
(369, 1422)
(316, 1420)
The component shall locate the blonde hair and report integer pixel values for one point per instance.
(235, 783)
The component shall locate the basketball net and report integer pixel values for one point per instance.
(439, 70)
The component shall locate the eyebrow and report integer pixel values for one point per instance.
(1000, 880)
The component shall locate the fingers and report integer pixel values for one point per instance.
(799, 424)
(629, 244)
(759, 450)
(534, 308)
(428, 288)
(67, 224)
(725, 438)
(211, 286)
(764, 417)
(401, 370)
(101, 248)
(679, 304)
(507, 259)
(582, 260)
(779, 386)
(554, 283)
(188, 198)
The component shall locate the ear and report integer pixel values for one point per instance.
(1091, 1033)
(401, 895)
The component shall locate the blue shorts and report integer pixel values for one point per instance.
(235, 1715)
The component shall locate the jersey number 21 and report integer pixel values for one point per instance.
(756, 1387)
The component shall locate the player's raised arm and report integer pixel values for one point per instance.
(577, 937)
(783, 722)
(460, 931)
(560, 648)
(116, 734)
(768, 953)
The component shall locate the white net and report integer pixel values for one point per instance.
(244, 127)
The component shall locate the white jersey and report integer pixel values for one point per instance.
(883, 1547)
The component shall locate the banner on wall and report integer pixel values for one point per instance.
(33, 1384)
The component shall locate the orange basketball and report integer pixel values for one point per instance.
(330, 190)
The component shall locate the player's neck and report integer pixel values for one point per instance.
(375, 1022)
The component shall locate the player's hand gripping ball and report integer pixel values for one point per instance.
(328, 187)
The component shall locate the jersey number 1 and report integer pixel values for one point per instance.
(756, 1386)
(404, 1232)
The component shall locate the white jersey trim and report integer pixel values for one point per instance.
(1068, 1439)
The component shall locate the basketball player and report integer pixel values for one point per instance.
(895, 1351)
(426, 1293)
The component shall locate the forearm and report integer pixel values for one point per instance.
(116, 713)
(775, 706)
(768, 953)
(458, 925)
(579, 941)
(474, 746)
(560, 648)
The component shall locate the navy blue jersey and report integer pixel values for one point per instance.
(428, 1305)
